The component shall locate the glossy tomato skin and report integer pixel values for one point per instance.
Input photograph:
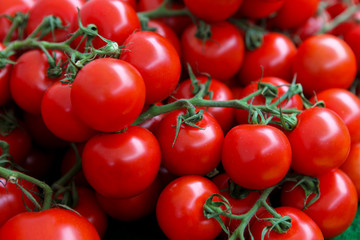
(157, 61)
(264, 148)
(259, 8)
(220, 92)
(346, 105)
(55, 223)
(351, 38)
(221, 56)
(320, 142)
(167, 32)
(121, 164)
(104, 85)
(351, 166)
(58, 115)
(272, 59)
(195, 151)
(29, 80)
(179, 209)
(4, 82)
(335, 210)
(302, 226)
(323, 62)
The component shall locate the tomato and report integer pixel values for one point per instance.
(167, 32)
(38, 163)
(4, 81)
(179, 210)
(157, 61)
(213, 10)
(351, 38)
(59, 116)
(55, 224)
(272, 59)
(13, 200)
(335, 210)
(259, 8)
(195, 151)
(121, 164)
(115, 20)
(302, 226)
(351, 166)
(221, 56)
(29, 80)
(89, 207)
(104, 85)
(220, 92)
(320, 141)
(242, 116)
(322, 62)
(294, 13)
(66, 10)
(312, 25)
(264, 148)
(346, 105)
(152, 124)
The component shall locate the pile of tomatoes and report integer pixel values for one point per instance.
(179, 119)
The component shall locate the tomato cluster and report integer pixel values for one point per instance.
(208, 119)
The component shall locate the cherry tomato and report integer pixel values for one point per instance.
(323, 62)
(351, 38)
(302, 226)
(264, 148)
(4, 81)
(272, 59)
(55, 224)
(121, 164)
(157, 61)
(167, 32)
(108, 94)
(312, 25)
(320, 142)
(351, 166)
(259, 8)
(179, 210)
(335, 210)
(221, 56)
(196, 150)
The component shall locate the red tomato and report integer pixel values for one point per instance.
(323, 62)
(320, 142)
(351, 166)
(294, 13)
(220, 92)
(157, 61)
(261, 147)
(39, 163)
(108, 94)
(259, 8)
(29, 80)
(152, 124)
(13, 200)
(195, 151)
(59, 117)
(352, 38)
(213, 10)
(179, 210)
(55, 224)
(123, 164)
(312, 25)
(346, 105)
(302, 226)
(272, 59)
(4, 80)
(335, 210)
(221, 56)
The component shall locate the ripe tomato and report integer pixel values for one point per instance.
(312, 25)
(272, 59)
(157, 61)
(58, 115)
(195, 151)
(264, 148)
(351, 166)
(320, 142)
(55, 224)
(108, 94)
(167, 32)
(351, 38)
(4, 80)
(259, 8)
(221, 56)
(121, 164)
(39, 162)
(302, 226)
(179, 209)
(323, 62)
(335, 210)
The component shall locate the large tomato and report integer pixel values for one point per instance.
(108, 94)
(121, 164)
(256, 156)
(335, 210)
(196, 150)
(320, 142)
(179, 209)
(55, 224)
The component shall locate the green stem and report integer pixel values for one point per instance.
(15, 24)
(163, 11)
